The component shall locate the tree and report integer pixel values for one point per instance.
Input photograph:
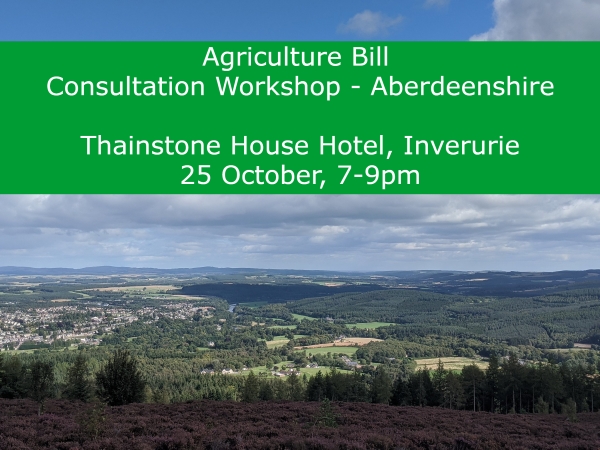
(251, 388)
(13, 378)
(541, 407)
(266, 391)
(472, 377)
(78, 382)
(401, 395)
(438, 380)
(492, 378)
(326, 417)
(381, 389)
(570, 409)
(295, 387)
(512, 377)
(315, 388)
(120, 381)
(453, 391)
(421, 388)
(41, 383)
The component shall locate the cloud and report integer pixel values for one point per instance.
(369, 23)
(352, 232)
(331, 230)
(436, 3)
(544, 20)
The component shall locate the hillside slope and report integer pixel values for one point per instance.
(278, 425)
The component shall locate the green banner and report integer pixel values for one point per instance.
(299, 117)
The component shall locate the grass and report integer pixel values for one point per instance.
(369, 325)
(259, 369)
(568, 350)
(303, 370)
(301, 317)
(277, 342)
(287, 327)
(323, 370)
(450, 363)
(349, 351)
(280, 341)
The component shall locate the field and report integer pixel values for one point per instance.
(451, 363)
(324, 350)
(368, 325)
(279, 425)
(156, 289)
(159, 292)
(278, 341)
(301, 317)
(303, 370)
(570, 350)
(287, 327)
(345, 343)
(311, 372)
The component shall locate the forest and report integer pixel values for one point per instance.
(550, 321)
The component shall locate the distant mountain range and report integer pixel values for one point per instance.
(111, 270)
(511, 284)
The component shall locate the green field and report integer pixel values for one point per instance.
(569, 350)
(16, 352)
(259, 369)
(278, 341)
(369, 325)
(324, 350)
(323, 370)
(287, 327)
(303, 370)
(301, 317)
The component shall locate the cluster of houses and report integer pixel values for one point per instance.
(350, 364)
(33, 324)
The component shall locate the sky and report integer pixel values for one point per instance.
(478, 232)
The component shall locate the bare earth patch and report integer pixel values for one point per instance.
(450, 363)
